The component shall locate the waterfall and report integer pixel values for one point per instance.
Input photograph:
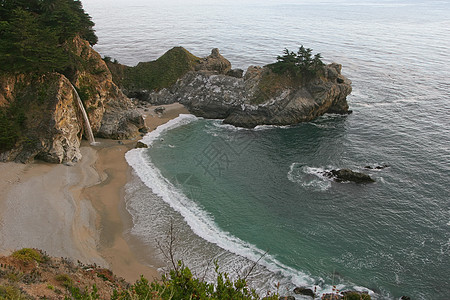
(87, 127)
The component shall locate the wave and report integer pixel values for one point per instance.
(309, 177)
(202, 223)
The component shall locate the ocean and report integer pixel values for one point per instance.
(241, 196)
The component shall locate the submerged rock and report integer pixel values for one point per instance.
(377, 167)
(348, 175)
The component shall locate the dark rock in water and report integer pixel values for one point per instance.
(304, 291)
(159, 110)
(120, 142)
(331, 297)
(287, 298)
(348, 175)
(381, 167)
(238, 73)
(376, 167)
(405, 298)
(141, 145)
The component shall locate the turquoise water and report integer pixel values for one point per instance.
(235, 194)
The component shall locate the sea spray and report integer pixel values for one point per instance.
(87, 124)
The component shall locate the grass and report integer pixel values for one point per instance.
(64, 279)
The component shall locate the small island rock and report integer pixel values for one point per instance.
(348, 175)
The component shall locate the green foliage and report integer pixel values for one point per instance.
(301, 64)
(11, 292)
(78, 294)
(34, 31)
(28, 255)
(64, 279)
(181, 284)
(160, 73)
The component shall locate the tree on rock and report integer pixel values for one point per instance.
(298, 65)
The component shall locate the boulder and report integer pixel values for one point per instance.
(238, 73)
(343, 175)
(159, 110)
(141, 145)
(304, 291)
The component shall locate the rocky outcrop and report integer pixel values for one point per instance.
(304, 291)
(111, 113)
(39, 116)
(215, 63)
(260, 97)
(51, 129)
(344, 175)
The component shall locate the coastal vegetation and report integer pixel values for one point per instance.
(154, 75)
(34, 34)
(290, 70)
(45, 277)
(25, 273)
(301, 65)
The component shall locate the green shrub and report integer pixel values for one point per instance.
(181, 284)
(65, 280)
(28, 255)
(11, 292)
(298, 65)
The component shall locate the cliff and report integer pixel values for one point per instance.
(39, 116)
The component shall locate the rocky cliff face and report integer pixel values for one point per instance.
(40, 117)
(51, 128)
(111, 113)
(261, 97)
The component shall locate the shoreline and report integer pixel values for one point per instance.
(78, 211)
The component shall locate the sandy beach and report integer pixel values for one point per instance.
(77, 211)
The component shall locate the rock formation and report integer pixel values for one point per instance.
(51, 127)
(215, 63)
(261, 97)
(343, 175)
(40, 117)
